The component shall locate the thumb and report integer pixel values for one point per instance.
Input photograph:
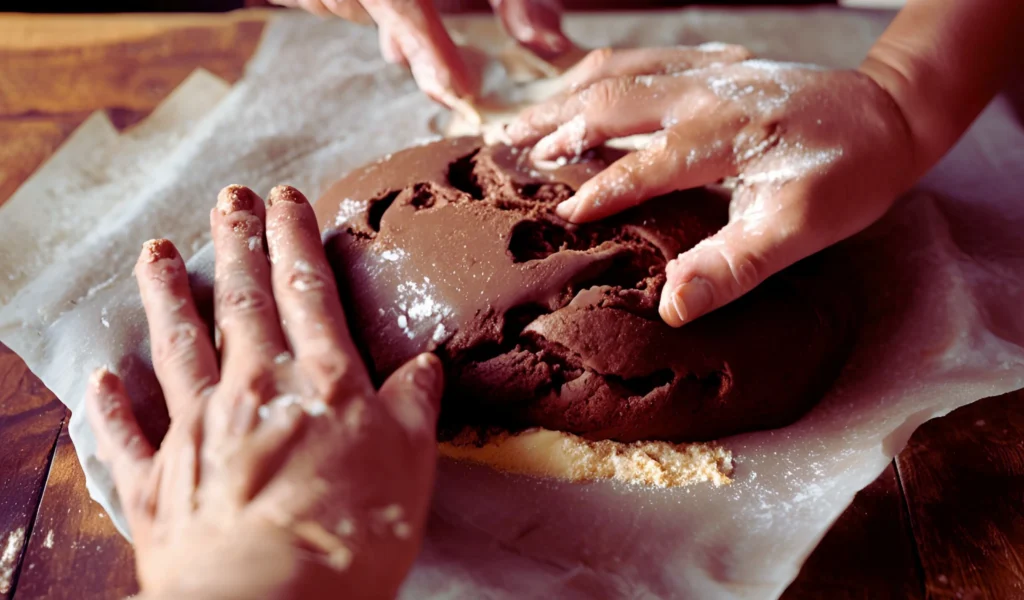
(413, 395)
(726, 266)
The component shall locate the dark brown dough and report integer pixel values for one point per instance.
(453, 247)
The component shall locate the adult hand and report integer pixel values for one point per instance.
(284, 473)
(814, 155)
(412, 34)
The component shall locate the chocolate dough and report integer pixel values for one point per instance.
(453, 247)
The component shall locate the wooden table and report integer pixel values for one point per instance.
(943, 521)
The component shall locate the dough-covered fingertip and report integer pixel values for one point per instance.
(157, 249)
(285, 193)
(234, 198)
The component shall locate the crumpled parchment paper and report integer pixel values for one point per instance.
(943, 275)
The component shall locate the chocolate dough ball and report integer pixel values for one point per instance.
(454, 247)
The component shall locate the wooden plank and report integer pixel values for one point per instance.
(82, 64)
(964, 481)
(74, 551)
(30, 417)
(57, 32)
(869, 553)
(57, 70)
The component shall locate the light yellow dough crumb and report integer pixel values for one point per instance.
(545, 453)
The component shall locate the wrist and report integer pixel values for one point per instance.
(254, 563)
(905, 81)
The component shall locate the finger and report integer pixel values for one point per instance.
(436, 64)
(413, 395)
(671, 162)
(390, 49)
(315, 7)
(730, 263)
(307, 295)
(308, 298)
(243, 304)
(121, 445)
(350, 10)
(183, 355)
(605, 62)
(609, 108)
(536, 24)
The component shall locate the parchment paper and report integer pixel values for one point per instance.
(943, 272)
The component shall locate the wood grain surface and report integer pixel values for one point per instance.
(947, 522)
(74, 548)
(30, 417)
(964, 477)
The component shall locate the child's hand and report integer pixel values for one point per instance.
(816, 156)
(284, 472)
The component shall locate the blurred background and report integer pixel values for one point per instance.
(71, 6)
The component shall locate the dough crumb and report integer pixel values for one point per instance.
(545, 453)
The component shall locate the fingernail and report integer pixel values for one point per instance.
(545, 149)
(566, 209)
(158, 249)
(427, 374)
(234, 198)
(285, 193)
(689, 301)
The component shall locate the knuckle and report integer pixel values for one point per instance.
(745, 271)
(336, 375)
(596, 59)
(621, 180)
(738, 52)
(178, 345)
(165, 272)
(244, 299)
(244, 225)
(602, 94)
(303, 278)
(258, 383)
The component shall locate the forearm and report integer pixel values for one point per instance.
(942, 61)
